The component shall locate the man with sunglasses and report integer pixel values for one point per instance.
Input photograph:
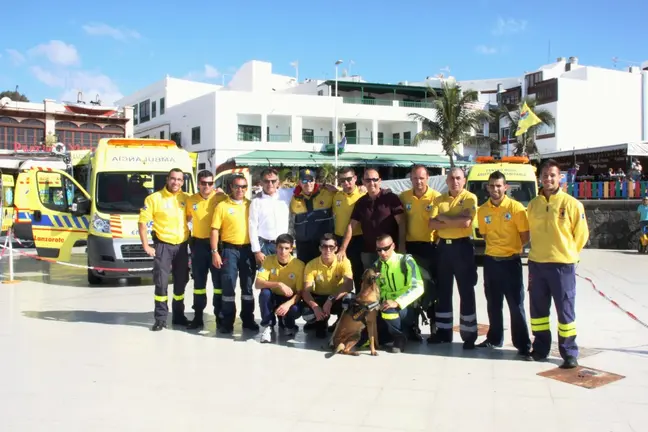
(230, 230)
(311, 206)
(327, 280)
(343, 203)
(269, 215)
(401, 285)
(200, 212)
(166, 210)
(378, 212)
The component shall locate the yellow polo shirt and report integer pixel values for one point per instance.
(502, 226)
(446, 204)
(168, 213)
(231, 220)
(291, 274)
(327, 279)
(558, 229)
(418, 211)
(201, 212)
(343, 204)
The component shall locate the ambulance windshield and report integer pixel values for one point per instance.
(123, 192)
(522, 191)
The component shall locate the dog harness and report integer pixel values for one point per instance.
(359, 311)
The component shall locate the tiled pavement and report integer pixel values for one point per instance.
(75, 357)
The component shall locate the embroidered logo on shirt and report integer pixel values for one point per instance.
(291, 275)
(582, 215)
(507, 216)
(428, 208)
(230, 211)
(195, 206)
(487, 219)
(273, 271)
(322, 202)
(338, 203)
(408, 206)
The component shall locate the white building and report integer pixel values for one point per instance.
(264, 118)
(593, 106)
(24, 126)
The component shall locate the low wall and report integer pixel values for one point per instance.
(613, 224)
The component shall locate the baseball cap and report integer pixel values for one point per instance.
(307, 174)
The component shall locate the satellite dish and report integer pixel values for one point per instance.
(5, 101)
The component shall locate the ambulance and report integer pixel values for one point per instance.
(123, 172)
(520, 176)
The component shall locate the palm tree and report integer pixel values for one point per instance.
(454, 121)
(326, 173)
(525, 144)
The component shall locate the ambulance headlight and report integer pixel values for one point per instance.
(100, 225)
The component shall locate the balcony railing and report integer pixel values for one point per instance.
(411, 104)
(396, 142)
(386, 102)
(243, 136)
(278, 138)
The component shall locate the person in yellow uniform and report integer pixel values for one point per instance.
(200, 212)
(230, 230)
(280, 280)
(504, 225)
(343, 204)
(559, 232)
(418, 204)
(166, 211)
(327, 281)
(452, 217)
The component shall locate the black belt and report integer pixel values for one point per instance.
(267, 241)
(200, 240)
(452, 241)
(508, 258)
(234, 246)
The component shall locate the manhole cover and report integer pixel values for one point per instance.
(482, 329)
(582, 376)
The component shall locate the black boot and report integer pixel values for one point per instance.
(159, 325)
(197, 322)
(569, 363)
(399, 345)
(180, 320)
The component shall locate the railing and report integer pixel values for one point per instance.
(243, 136)
(410, 104)
(607, 189)
(386, 102)
(278, 138)
(396, 142)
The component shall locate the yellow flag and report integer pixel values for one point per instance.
(527, 119)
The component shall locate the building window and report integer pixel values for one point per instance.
(161, 134)
(153, 109)
(308, 136)
(145, 111)
(320, 93)
(511, 97)
(195, 135)
(177, 137)
(381, 138)
(532, 79)
(86, 136)
(407, 138)
(249, 133)
(162, 106)
(15, 135)
(145, 137)
(396, 139)
(135, 115)
(201, 166)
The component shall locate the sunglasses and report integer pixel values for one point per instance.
(204, 183)
(306, 181)
(328, 247)
(239, 187)
(345, 179)
(384, 249)
(371, 180)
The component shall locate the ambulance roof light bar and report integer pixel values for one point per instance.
(140, 142)
(505, 159)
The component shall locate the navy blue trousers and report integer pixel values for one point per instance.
(557, 281)
(269, 302)
(238, 262)
(201, 266)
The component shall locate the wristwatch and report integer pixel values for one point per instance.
(331, 298)
(214, 251)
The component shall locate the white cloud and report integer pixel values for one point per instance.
(486, 50)
(58, 52)
(120, 34)
(73, 82)
(15, 56)
(509, 26)
(209, 72)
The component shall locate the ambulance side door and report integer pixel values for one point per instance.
(61, 213)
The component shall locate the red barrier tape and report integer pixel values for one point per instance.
(614, 303)
(67, 264)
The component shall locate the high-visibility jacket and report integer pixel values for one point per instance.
(400, 280)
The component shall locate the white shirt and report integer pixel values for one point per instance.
(269, 216)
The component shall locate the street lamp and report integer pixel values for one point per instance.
(335, 136)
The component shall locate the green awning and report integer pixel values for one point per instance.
(304, 158)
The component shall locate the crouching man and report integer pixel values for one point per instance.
(401, 286)
(280, 280)
(327, 281)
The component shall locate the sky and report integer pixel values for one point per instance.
(55, 49)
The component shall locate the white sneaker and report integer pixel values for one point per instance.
(266, 335)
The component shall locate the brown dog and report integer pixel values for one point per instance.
(361, 313)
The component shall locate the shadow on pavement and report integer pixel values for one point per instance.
(137, 319)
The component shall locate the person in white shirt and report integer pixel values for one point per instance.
(269, 215)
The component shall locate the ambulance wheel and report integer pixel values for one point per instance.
(93, 279)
